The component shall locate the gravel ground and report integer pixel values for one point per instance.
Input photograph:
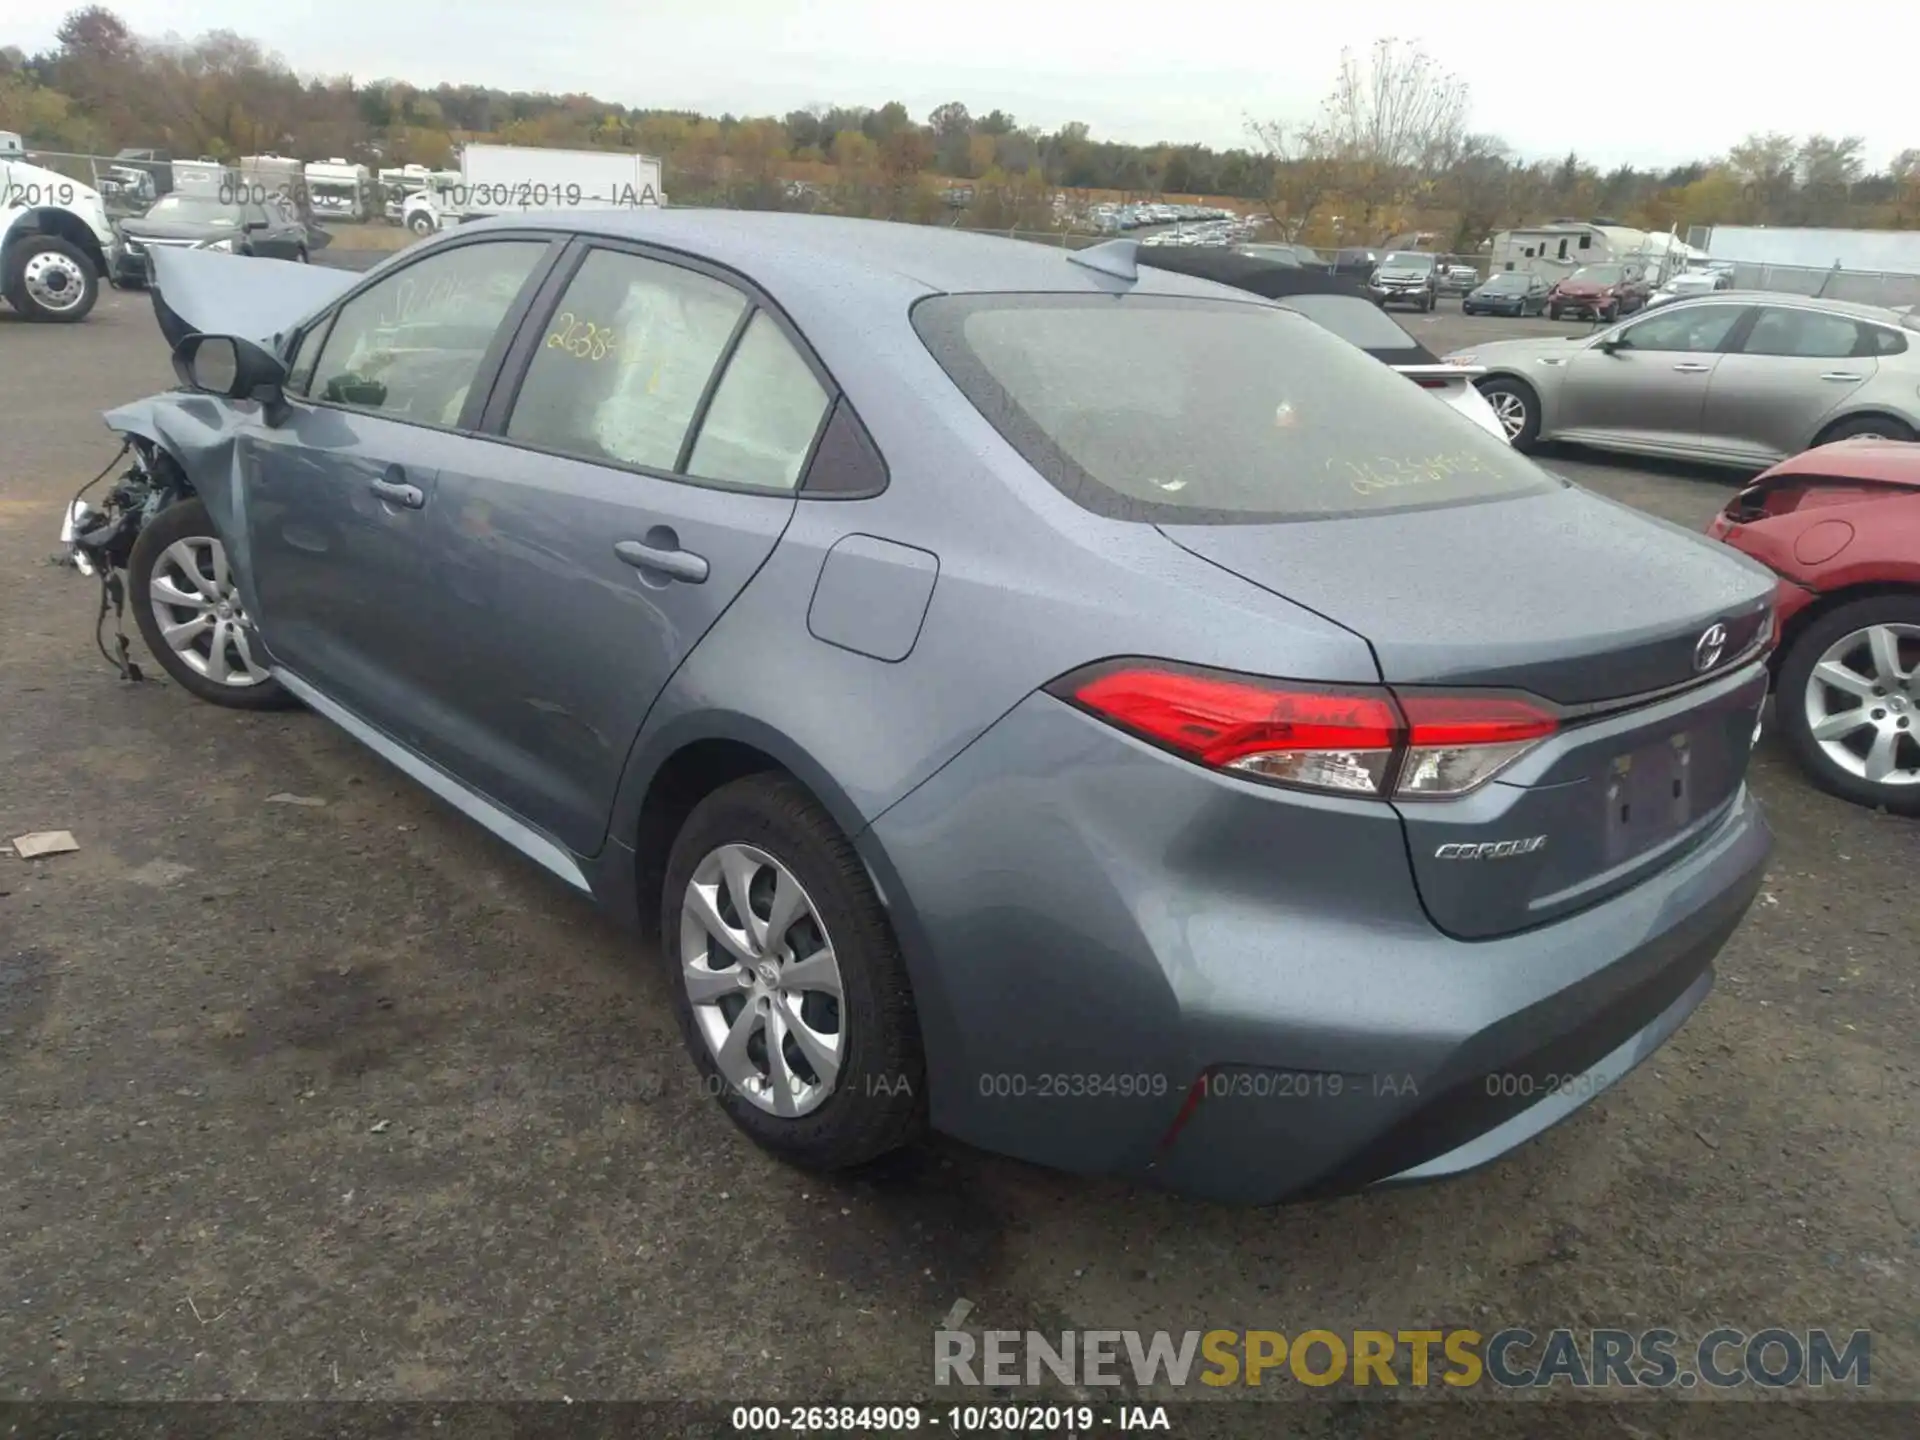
(347, 1101)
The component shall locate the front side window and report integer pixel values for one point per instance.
(627, 356)
(1801, 334)
(411, 345)
(1697, 329)
(1190, 410)
(764, 415)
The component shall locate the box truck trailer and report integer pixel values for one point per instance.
(513, 179)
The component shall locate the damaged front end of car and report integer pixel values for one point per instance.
(99, 539)
(180, 443)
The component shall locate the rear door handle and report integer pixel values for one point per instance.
(675, 564)
(395, 492)
(1688, 368)
(1839, 375)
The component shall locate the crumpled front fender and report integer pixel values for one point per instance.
(201, 434)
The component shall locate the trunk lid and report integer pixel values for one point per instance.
(1571, 598)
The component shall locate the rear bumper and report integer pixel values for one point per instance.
(1128, 965)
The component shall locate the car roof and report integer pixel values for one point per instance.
(799, 257)
(1853, 309)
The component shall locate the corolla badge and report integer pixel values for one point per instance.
(1708, 649)
(1491, 849)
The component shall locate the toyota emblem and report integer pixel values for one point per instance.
(1708, 648)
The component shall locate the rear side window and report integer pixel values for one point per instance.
(763, 417)
(1802, 334)
(1882, 341)
(627, 358)
(1188, 410)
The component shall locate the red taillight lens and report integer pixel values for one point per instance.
(1458, 742)
(1345, 739)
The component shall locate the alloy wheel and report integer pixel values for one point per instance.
(762, 980)
(1863, 704)
(1511, 411)
(200, 614)
(54, 281)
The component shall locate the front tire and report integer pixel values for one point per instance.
(788, 983)
(1848, 701)
(1517, 406)
(191, 616)
(53, 281)
(421, 224)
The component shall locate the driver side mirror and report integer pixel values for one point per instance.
(1616, 341)
(235, 368)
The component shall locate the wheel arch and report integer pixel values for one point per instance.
(1831, 423)
(1825, 603)
(686, 760)
(54, 221)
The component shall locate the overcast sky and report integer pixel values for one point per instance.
(1665, 83)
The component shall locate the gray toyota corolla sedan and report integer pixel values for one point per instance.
(1098, 714)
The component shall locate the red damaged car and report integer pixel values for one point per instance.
(1840, 526)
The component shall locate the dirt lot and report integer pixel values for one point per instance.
(346, 1100)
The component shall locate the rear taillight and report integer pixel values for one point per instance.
(1342, 739)
(1458, 741)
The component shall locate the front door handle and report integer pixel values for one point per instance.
(409, 497)
(1839, 375)
(675, 564)
(1688, 368)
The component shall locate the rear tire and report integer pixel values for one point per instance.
(1839, 753)
(52, 280)
(763, 834)
(179, 585)
(1867, 427)
(1517, 405)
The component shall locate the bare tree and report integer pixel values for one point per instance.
(1306, 172)
(1391, 121)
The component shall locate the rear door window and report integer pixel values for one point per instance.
(627, 359)
(1189, 410)
(1801, 334)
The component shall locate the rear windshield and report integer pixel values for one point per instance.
(1356, 321)
(1191, 410)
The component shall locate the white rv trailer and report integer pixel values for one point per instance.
(337, 190)
(1560, 247)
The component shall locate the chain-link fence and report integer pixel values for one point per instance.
(127, 187)
(1867, 287)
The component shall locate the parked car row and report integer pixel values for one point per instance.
(1115, 219)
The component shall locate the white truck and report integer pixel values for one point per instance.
(337, 190)
(55, 239)
(514, 179)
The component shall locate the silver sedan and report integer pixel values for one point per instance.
(1743, 378)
